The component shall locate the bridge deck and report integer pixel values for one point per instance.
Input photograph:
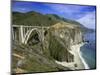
(30, 26)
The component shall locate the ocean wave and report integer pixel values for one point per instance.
(83, 60)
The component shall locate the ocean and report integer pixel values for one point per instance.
(88, 51)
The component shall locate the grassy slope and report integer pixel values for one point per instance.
(35, 54)
(31, 18)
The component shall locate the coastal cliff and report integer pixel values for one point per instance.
(64, 45)
(62, 37)
(46, 54)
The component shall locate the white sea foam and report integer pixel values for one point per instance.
(83, 60)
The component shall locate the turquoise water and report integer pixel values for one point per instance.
(89, 50)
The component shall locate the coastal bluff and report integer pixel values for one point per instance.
(64, 45)
(37, 47)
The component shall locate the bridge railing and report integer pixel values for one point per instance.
(30, 26)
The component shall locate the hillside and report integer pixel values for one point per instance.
(31, 18)
(45, 45)
(37, 19)
(58, 19)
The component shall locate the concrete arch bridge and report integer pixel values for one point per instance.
(23, 34)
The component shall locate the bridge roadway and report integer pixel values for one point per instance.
(31, 26)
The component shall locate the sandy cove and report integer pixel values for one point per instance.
(79, 62)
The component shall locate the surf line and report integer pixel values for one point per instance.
(83, 60)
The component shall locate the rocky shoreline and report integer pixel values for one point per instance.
(79, 62)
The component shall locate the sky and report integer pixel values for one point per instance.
(81, 13)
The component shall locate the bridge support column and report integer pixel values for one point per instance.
(21, 34)
(42, 37)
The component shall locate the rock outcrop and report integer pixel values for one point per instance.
(61, 38)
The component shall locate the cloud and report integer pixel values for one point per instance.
(62, 8)
(71, 11)
(88, 20)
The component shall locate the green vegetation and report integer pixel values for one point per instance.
(37, 19)
(31, 18)
(39, 56)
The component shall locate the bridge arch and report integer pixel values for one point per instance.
(32, 34)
